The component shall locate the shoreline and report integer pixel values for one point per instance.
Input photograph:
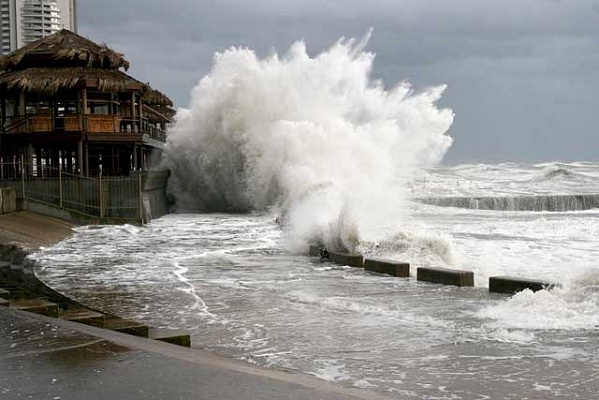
(23, 233)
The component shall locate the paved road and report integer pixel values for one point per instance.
(45, 358)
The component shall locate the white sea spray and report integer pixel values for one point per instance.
(314, 137)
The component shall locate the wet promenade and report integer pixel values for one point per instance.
(46, 358)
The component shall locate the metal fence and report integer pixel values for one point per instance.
(102, 197)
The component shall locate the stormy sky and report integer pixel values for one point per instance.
(522, 75)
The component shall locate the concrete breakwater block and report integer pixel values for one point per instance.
(444, 276)
(351, 259)
(174, 337)
(83, 316)
(36, 306)
(509, 285)
(389, 267)
(127, 326)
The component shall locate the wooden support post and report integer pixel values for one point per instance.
(80, 158)
(86, 158)
(141, 115)
(84, 111)
(38, 161)
(135, 167)
(133, 112)
(22, 112)
(3, 111)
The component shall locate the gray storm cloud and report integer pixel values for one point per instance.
(520, 75)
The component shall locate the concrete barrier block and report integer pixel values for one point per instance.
(36, 306)
(351, 259)
(444, 276)
(169, 336)
(509, 285)
(83, 316)
(4, 302)
(127, 326)
(389, 267)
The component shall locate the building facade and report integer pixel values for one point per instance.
(25, 21)
(66, 103)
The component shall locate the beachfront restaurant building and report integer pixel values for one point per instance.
(67, 102)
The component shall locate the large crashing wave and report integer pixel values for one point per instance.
(315, 137)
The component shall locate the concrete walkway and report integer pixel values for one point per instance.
(31, 230)
(46, 358)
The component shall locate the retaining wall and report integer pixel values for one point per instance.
(8, 200)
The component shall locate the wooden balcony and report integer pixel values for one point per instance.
(79, 123)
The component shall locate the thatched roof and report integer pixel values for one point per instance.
(63, 60)
(68, 49)
(154, 97)
(51, 80)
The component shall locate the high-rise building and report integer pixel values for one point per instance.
(24, 21)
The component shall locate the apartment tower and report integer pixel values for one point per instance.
(25, 21)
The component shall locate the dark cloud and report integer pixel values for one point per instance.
(521, 74)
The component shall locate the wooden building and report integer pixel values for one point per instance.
(66, 102)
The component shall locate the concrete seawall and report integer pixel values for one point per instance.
(135, 199)
(22, 233)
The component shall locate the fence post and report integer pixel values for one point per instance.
(141, 205)
(22, 177)
(101, 198)
(60, 184)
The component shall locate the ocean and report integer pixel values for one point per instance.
(273, 154)
(233, 282)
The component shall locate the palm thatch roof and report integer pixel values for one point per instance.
(63, 60)
(51, 80)
(67, 48)
(155, 97)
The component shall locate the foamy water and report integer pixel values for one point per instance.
(310, 148)
(231, 281)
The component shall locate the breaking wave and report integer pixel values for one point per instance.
(313, 138)
(570, 307)
(554, 172)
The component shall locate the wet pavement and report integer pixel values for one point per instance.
(46, 358)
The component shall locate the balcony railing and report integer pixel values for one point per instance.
(91, 123)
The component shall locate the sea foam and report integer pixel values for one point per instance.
(316, 138)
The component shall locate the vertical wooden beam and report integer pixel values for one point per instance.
(38, 161)
(22, 104)
(29, 159)
(84, 111)
(133, 112)
(3, 111)
(141, 114)
(135, 166)
(86, 158)
(80, 158)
